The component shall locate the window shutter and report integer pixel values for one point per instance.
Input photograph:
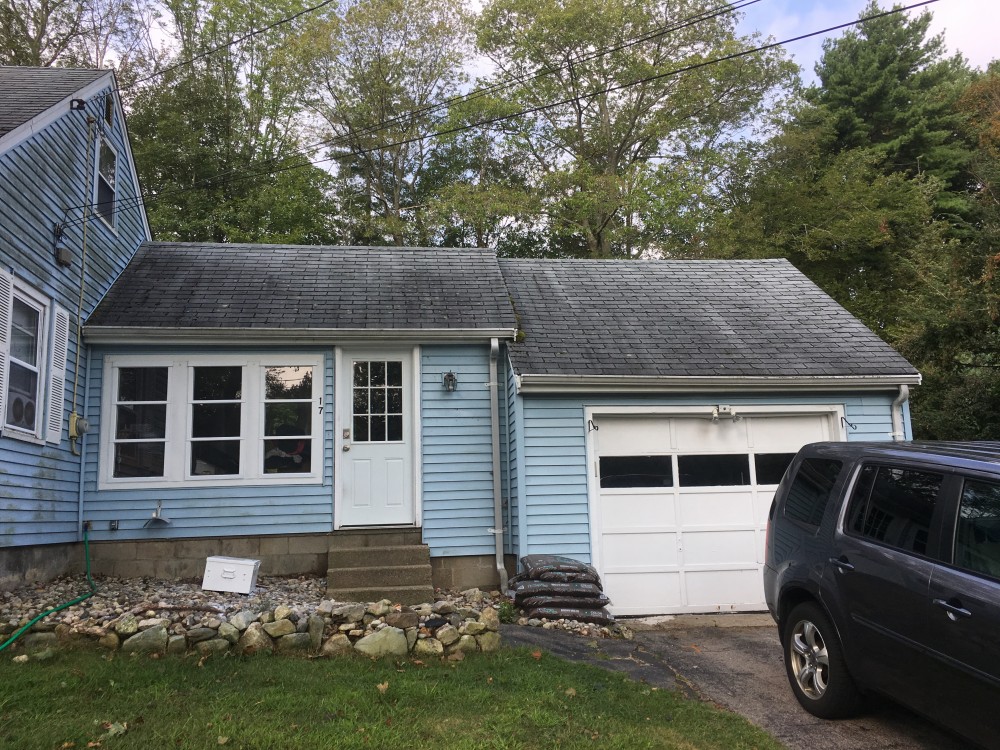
(6, 308)
(57, 376)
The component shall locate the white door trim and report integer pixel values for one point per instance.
(833, 412)
(342, 410)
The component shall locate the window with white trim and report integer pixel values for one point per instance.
(211, 419)
(34, 335)
(106, 182)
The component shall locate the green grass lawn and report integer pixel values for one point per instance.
(512, 699)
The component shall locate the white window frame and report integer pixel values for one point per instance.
(177, 450)
(43, 306)
(113, 224)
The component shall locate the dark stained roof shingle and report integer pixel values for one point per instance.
(686, 319)
(203, 285)
(27, 92)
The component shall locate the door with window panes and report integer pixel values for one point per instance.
(376, 466)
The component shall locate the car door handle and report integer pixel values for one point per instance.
(953, 612)
(842, 565)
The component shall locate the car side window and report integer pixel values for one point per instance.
(894, 506)
(977, 533)
(811, 489)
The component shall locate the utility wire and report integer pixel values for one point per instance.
(343, 140)
(532, 110)
(233, 42)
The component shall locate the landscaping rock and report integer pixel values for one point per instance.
(229, 632)
(386, 642)
(315, 626)
(153, 640)
(196, 635)
(490, 618)
(176, 644)
(428, 647)
(241, 620)
(282, 612)
(254, 641)
(488, 641)
(293, 642)
(213, 646)
(278, 628)
(472, 628)
(337, 644)
(111, 641)
(127, 625)
(447, 634)
(402, 620)
(466, 643)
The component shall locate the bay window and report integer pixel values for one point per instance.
(211, 419)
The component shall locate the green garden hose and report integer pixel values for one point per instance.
(46, 613)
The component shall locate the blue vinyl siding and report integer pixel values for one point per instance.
(196, 510)
(457, 460)
(553, 492)
(43, 181)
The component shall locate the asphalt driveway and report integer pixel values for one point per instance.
(736, 662)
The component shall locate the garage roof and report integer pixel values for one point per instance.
(687, 319)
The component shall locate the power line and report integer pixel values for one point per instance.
(610, 89)
(509, 83)
(233, 42)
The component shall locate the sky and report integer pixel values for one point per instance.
(969, 26)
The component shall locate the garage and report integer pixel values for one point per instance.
(679, 501)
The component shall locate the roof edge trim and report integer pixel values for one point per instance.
(540, 383)
(286, 336)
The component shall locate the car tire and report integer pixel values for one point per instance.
(814, 663)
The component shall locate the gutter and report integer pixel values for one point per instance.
(898, 431)
(545, 383)
(327, 336)
(497, 529)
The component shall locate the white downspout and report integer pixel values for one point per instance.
(898, 433)
(497, 529)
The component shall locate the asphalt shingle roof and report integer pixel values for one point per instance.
(27, 92)
(203, 285)
(686, 319)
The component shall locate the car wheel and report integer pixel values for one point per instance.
(814, 662)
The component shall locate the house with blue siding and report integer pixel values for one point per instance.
(71, 216)
(402, 418)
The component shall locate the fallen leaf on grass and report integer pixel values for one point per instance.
(223, 740)
(571, 692)
(67, 745)
(382, 687)
(694, 648)
(536, 655)
(93, 744)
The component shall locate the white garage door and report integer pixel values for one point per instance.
(681, 506)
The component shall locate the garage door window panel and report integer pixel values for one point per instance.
(722, 470)
(771, 467)
(636, 471)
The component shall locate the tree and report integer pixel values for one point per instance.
(596, 122)
(384, 67)
(887, 86)
(216, 139)
(81, 33)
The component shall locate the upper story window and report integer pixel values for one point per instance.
(34, 336)
(106, 187)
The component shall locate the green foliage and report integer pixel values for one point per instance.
(508, 611)
(590, 154)
(215, 143)
(507, 700)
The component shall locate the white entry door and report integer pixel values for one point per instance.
(376, 431)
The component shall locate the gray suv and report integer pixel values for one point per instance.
(882, 570)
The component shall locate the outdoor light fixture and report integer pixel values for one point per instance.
(725, 411)
(449, 380)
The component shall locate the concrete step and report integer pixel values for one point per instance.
(386, 557)
(373, 577)
(396, 594)
(352, 539)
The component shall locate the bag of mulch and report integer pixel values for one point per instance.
(523, 589)
(536, 565)
(570, 602)
(596, 616)
(561, 577)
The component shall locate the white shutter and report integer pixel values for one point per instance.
(57, 376)
(6, 310)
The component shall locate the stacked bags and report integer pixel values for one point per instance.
(557, 587)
